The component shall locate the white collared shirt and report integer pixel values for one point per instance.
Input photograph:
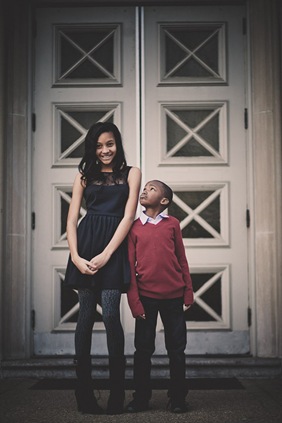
(146, 219)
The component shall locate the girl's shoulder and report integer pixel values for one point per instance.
(134, 168)
(78, 181)
(133, 171)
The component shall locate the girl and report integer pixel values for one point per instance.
(98, 264)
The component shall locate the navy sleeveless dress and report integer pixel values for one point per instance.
(105, 204)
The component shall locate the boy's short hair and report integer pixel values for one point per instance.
(168, 193)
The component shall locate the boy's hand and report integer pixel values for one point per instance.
(186, 306)
(141, 316)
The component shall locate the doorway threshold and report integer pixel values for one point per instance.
(196, 367)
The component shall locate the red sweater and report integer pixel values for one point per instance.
(158, 264)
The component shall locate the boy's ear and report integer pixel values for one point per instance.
(164, 201)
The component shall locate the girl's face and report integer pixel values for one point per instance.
(106, 150)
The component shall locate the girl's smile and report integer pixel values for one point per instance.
(106, 149)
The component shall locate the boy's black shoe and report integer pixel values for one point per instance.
(178, 406)
(136, 406)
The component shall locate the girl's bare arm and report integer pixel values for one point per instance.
(84, 266)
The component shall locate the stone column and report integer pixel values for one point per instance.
(16, 289)
(266, 141)
(2, 121)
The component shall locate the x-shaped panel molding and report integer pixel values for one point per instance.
(220, 321)
(62, 322)
(64, 112)
(217, 238)
(215, 74)
(215, 110)
(61, 193)
(66, 33)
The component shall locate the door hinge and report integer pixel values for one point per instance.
(246, 119)
(33, 122)
(244, 26)
(249, 316)
(248, 218)
(33, 220)
(32, 319)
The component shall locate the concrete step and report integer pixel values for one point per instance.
(196, 367)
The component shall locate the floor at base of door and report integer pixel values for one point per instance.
(194, 384)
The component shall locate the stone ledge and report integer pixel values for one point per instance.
(197, 366)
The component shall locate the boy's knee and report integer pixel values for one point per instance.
(178, 352)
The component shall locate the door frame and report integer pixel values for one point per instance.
(265, 240)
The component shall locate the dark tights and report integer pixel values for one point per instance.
(110, 302)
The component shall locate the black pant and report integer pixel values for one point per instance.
(172, 315)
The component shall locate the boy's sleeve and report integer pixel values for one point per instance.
(180, 253)
(133, 298)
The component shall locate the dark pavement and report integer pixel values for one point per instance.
(24, 400)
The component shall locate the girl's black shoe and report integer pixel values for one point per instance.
(85, 398)
(115, 403)
(117, 381)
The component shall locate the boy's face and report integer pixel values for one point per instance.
(152, 194)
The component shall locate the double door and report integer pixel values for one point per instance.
(172, 79)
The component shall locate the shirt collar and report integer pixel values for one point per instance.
(144, 218)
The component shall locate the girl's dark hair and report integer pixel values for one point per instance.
(90, 167)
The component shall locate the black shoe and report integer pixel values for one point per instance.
(93, 409)
(178, 406)
(85, 398)
(136, 406)
(87, 404)
(117, 380)
(115, 403)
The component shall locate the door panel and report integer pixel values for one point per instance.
(179, 100)
(85, 72)
(194, 140)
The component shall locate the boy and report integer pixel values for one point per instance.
(160, 282)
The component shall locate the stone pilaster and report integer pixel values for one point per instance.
(266, 149)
